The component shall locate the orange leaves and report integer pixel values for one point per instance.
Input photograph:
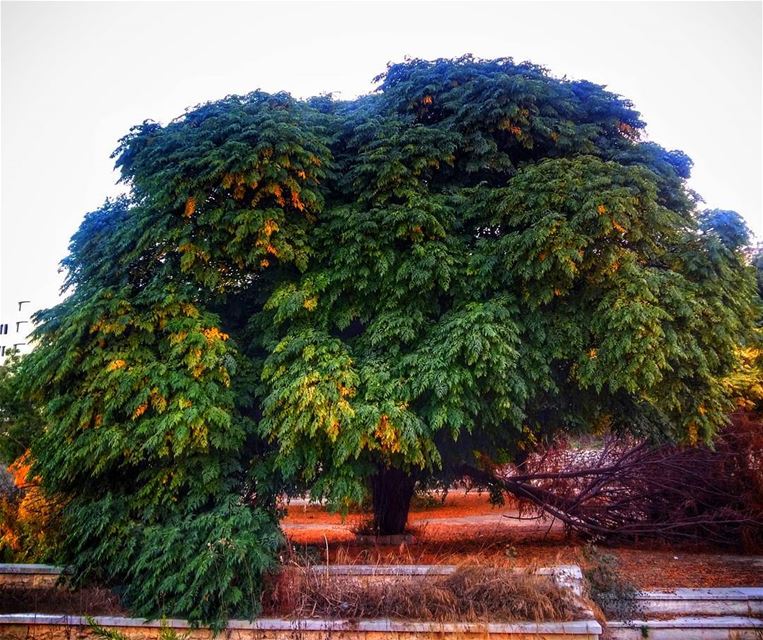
(592, 353)
(296, 202)
(427, 100)
(507, 125)
(114, 365)
(271, 226)
(277, 192)
(601, 209)
(213, 334)
(271, 250)
(617, 226)
(190, 207)
(139, 411)
(19, 469)
(346, 392)
(26, 522)
(627, 130)
(264, 263)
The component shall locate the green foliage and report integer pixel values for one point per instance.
(295, 293)
(728, 226)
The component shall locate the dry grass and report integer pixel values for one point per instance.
(470, 594)
(59, 600)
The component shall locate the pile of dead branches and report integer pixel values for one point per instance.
(628, 489)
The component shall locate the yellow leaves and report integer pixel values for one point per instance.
(271, 226)
(190, 310)
(139, 411)
(554, 136)
(184, 403)
(332, 431)
(387, 435)
(702, 410)
(310, 303)
(592, 353)
(617, 226)
(692, 433)
(177, 338)
(200, 434)
(158, 401)
(190, 207)
(115, 365)
(601, 209)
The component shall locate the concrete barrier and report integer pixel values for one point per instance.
(51, 627)
(689, 628)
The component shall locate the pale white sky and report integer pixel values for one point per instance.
(76, 76)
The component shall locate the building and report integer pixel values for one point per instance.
(15, 329)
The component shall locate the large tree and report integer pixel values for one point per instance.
(345, 297)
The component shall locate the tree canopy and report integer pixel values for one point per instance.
(299, 294)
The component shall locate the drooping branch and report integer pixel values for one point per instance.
(626, 489)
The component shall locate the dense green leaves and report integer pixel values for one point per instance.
(298, 293)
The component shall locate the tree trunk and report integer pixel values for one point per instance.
(392, 490)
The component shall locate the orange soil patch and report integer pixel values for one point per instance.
(467, 529)
(457, 504)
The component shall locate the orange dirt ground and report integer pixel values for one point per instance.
(468, 529)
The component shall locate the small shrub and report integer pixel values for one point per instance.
(613, 592)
